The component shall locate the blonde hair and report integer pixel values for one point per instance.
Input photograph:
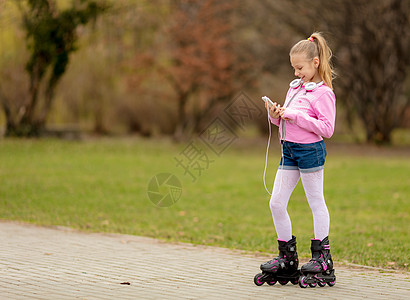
(316, 46)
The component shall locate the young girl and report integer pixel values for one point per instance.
(307, 115)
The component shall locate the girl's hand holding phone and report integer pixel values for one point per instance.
(275, 111)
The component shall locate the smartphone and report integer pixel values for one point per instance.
(269, 101)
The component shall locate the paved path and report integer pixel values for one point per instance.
(58, 263)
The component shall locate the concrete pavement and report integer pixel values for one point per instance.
(59, 263)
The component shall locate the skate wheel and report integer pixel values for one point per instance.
(331, 283)
(321, 283)
(283, 282)
(258, 279)
(302, 282)
(312, 284)
(294, 282)
(272, 282)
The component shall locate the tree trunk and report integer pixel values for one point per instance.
(23, 129)
(182, 117)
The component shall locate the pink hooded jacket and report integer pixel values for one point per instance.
(309, 115)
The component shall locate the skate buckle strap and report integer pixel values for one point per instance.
(287, 248)
(316, 247)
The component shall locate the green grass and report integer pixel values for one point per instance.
(101, 185)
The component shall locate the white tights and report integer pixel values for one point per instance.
(285, 182)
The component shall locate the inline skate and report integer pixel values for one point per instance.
(283, 268)
(319, 270)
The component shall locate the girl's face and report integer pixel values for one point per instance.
(305, 69)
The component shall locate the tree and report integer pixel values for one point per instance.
(51, 37)
(202, 62)
(374, 58)
(371, 44)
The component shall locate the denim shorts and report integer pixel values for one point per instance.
(304, 157)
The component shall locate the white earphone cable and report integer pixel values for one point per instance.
(267, 154)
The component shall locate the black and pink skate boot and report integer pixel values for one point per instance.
(283, 268)
(319, 270)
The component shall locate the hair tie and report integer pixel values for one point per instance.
(310, 39)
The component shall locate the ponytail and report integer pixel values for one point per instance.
(316, 46)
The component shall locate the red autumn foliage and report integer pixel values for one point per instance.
(202, 61)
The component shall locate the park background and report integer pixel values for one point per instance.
(100, 98)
